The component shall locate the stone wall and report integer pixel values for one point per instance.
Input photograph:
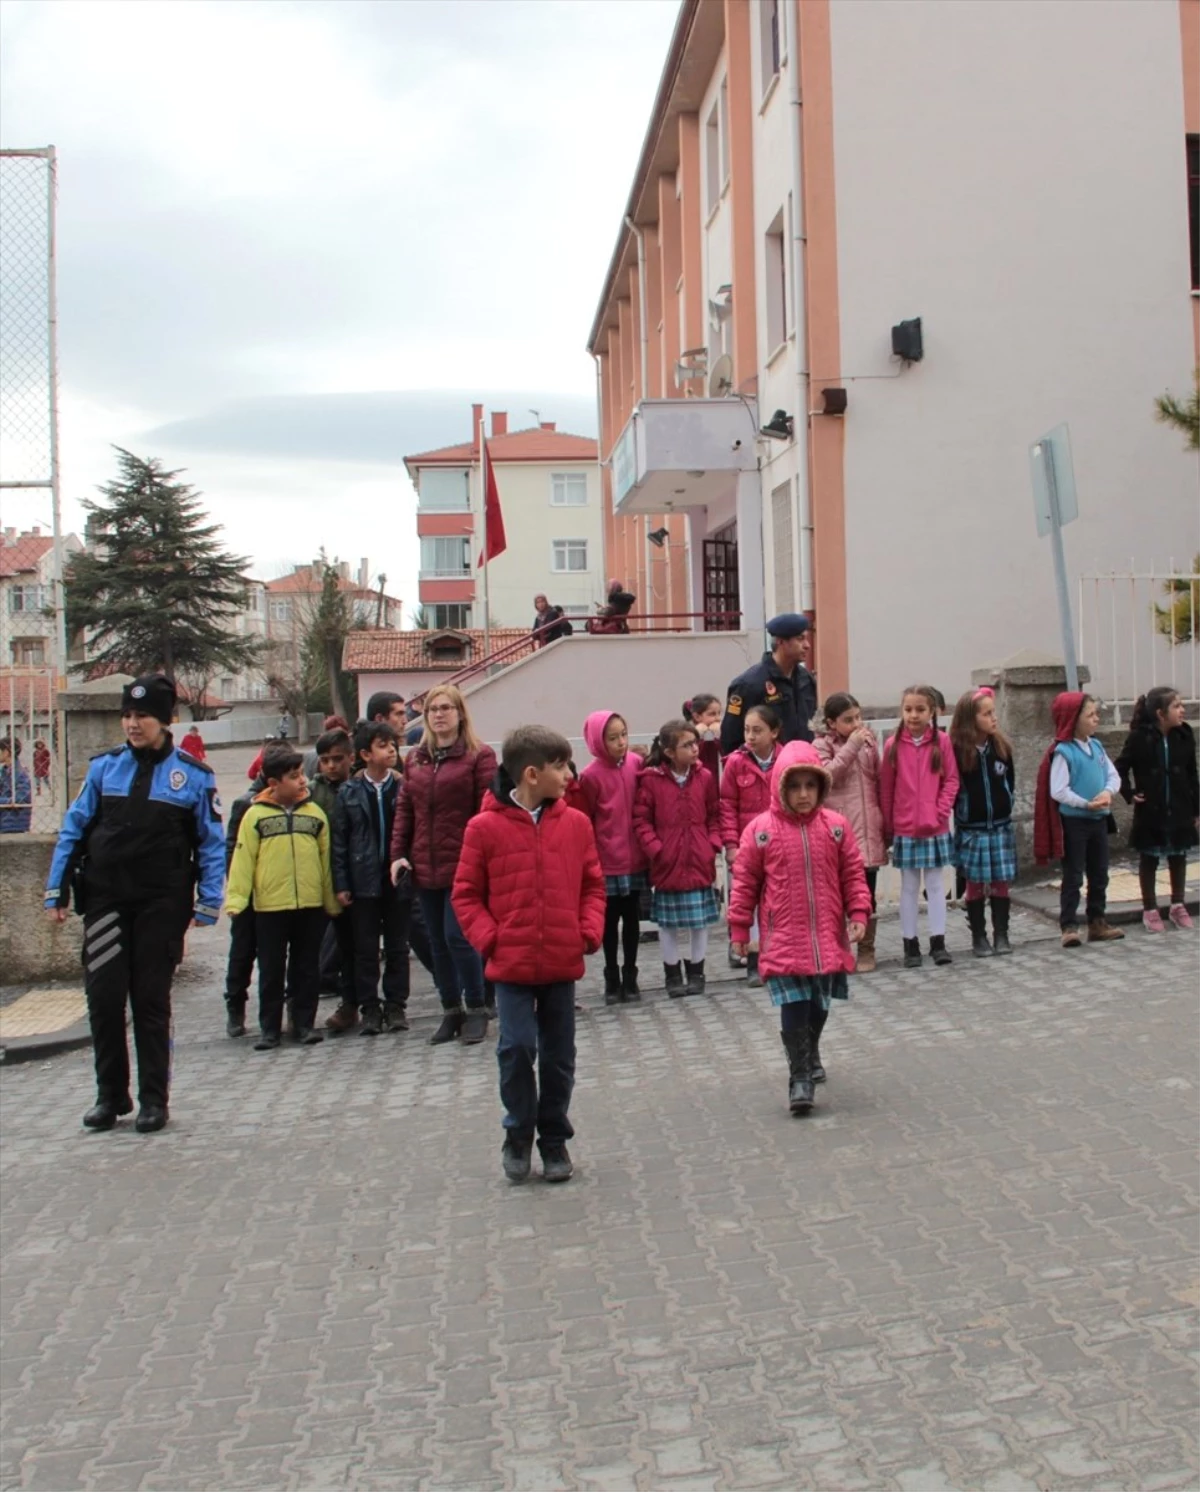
(32, 947)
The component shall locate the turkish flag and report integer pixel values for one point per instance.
(494, 541)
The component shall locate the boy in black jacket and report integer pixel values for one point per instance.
(362, 832)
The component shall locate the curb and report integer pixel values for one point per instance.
(1045, 904)
(52, 1044)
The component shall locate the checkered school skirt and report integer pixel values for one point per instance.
(625, 885)
(987, 855)
(685, 908)
(787, 989)
(922, 854)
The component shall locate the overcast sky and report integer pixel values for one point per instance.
(299, 237)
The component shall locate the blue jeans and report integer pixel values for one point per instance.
(457, 968)
(537, 1040)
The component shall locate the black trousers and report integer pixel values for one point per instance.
(1085, 849)
(622, 925)
(243, 949)
(130, 954)
(376, 919)
(289, 951)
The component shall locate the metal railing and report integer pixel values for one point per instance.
(1138, 628)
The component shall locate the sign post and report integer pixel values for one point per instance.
(1055, 504)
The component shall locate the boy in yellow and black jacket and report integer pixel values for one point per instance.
(282, 861)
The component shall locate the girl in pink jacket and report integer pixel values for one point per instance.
(678, 822)
(799, 865)
(918, 784)
(745, 793)
(849, 749)
(609, 786)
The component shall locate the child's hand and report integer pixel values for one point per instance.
(1100, 802)
(863, 733)
(740, 949)
(856, 931)
(398, 869)
(730, 855)
(1139, 797)
(56, 914)
(345, 898)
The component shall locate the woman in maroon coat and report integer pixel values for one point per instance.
(445, 777)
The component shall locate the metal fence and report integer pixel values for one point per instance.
(1138, 628)
(32, 631)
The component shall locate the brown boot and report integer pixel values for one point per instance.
(1100, 932)
(344, 1018)
(866, 949)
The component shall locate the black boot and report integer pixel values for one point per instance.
(817, 1016)
(912, 953)
(674, 977)
(695, 977)
(372, 1020)
(235, 1018)
(1000, 924)
(798, 1046)
(612, 984)
(977, 922)
(452, 1024)
(629, 984)
(753, 977)
(938, 952)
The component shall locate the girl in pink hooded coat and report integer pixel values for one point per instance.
(608, 787)
(799, 865)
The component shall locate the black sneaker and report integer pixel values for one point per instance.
(395, 1016)
(517, 1156)
(306, 1036)
(372, 1021)
(235, 1019)
(267, 1042)
(556, 1164)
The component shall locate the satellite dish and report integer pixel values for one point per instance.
(720, 380)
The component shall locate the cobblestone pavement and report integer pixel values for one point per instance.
(974, 1267)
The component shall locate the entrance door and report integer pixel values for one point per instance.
(721, 594)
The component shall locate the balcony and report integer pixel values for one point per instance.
(683, 453)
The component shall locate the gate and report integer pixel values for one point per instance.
(722, 598)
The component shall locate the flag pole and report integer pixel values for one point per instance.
(487, 621)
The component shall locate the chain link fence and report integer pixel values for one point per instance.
(32, 653)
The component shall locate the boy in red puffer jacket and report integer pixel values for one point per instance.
(529, 896)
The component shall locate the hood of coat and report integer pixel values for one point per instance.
(792, 757)
(267, 796)
(1065, 709)
(593, 736)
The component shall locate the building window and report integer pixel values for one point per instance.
(446, 650)
(226, 687)
(568, 489)
(782, 544)
(259, 689)
(254, 601)
(29, 652)
(724, 134)
(1193, 181)
(24, 599)
(712, 156)
(450, 614)
(281, 609)
(445, 555)
(775, 248)
(569, 556)
(770, 41)
(444, 490)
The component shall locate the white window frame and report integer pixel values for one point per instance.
(712, 158)
(562, 549)
(446, 626)
(28, 598)
(442, 568)
(775, 282)
(563, 484)
(280, 608)
(772, 50)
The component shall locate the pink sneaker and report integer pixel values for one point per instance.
(1152, 921)
(1179, 916)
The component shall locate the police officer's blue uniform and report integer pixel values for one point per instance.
(143, 850)
(793, 699)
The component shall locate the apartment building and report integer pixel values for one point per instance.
(27, 596)
(873, 250)
(549, 486)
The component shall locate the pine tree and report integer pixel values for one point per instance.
(1184, 414)
(161, 593)
(327, 687)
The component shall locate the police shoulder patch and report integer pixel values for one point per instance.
(177, 779)
(733, 705)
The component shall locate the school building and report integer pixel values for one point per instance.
(872, 251)
(549, 490)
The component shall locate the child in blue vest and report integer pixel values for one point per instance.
(1072, 814)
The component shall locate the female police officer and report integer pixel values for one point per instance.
(139, 842)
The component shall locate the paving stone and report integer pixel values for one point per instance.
(968, 1269)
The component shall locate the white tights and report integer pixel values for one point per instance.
(910, 900)
(669, 940)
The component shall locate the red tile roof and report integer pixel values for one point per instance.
(408, 652)
(20, 554)
(17, 687)
(537, 444)
(302, 581)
